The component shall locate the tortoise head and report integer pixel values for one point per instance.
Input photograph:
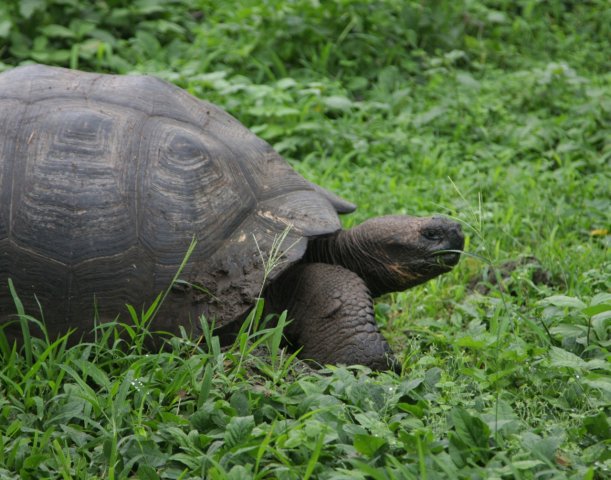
(394, 253)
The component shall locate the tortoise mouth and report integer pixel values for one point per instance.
(446, 258)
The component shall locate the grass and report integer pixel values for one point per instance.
(493, 112)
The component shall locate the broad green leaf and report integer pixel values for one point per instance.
(286, 83)
(472, 431)
(28, 7)
(467, 80)
(284, 111)
(597, 309)
(561, 358)
(408, 385)
(601, 298)
(294, 438)
(428, 116)
(543, 448)
(414, 409)
(188, 460)
(146, 472)
(496, 17)
(563, 301)
(366, 395)
(239, 401)
(103, 36)
(598, 364)
(601, 323)
(238, 430)
(33, 461)
(145, 7)
(337, 102)
(370, 470)
(5, 28)
(369, 419)
(502, 417)
(368, 444)
(52, 56)
(432, 377)
(602, 383)
(470, 342)
(358, 83)
(526, 464)
(57, 31)
(568, 330)
(239, 472)
(598, 425)
(89, 369)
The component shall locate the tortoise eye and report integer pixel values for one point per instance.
(432, 234)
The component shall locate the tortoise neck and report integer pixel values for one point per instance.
(351, 250)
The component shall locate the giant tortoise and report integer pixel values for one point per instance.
(105, 180)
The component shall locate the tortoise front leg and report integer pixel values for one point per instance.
(332, 316)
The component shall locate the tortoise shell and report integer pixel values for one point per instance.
(104, 182)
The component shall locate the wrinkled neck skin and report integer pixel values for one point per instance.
(354, 251)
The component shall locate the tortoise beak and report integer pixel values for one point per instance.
(447, 258)
(448, 252)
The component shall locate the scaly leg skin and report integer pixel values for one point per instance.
(332, 316)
